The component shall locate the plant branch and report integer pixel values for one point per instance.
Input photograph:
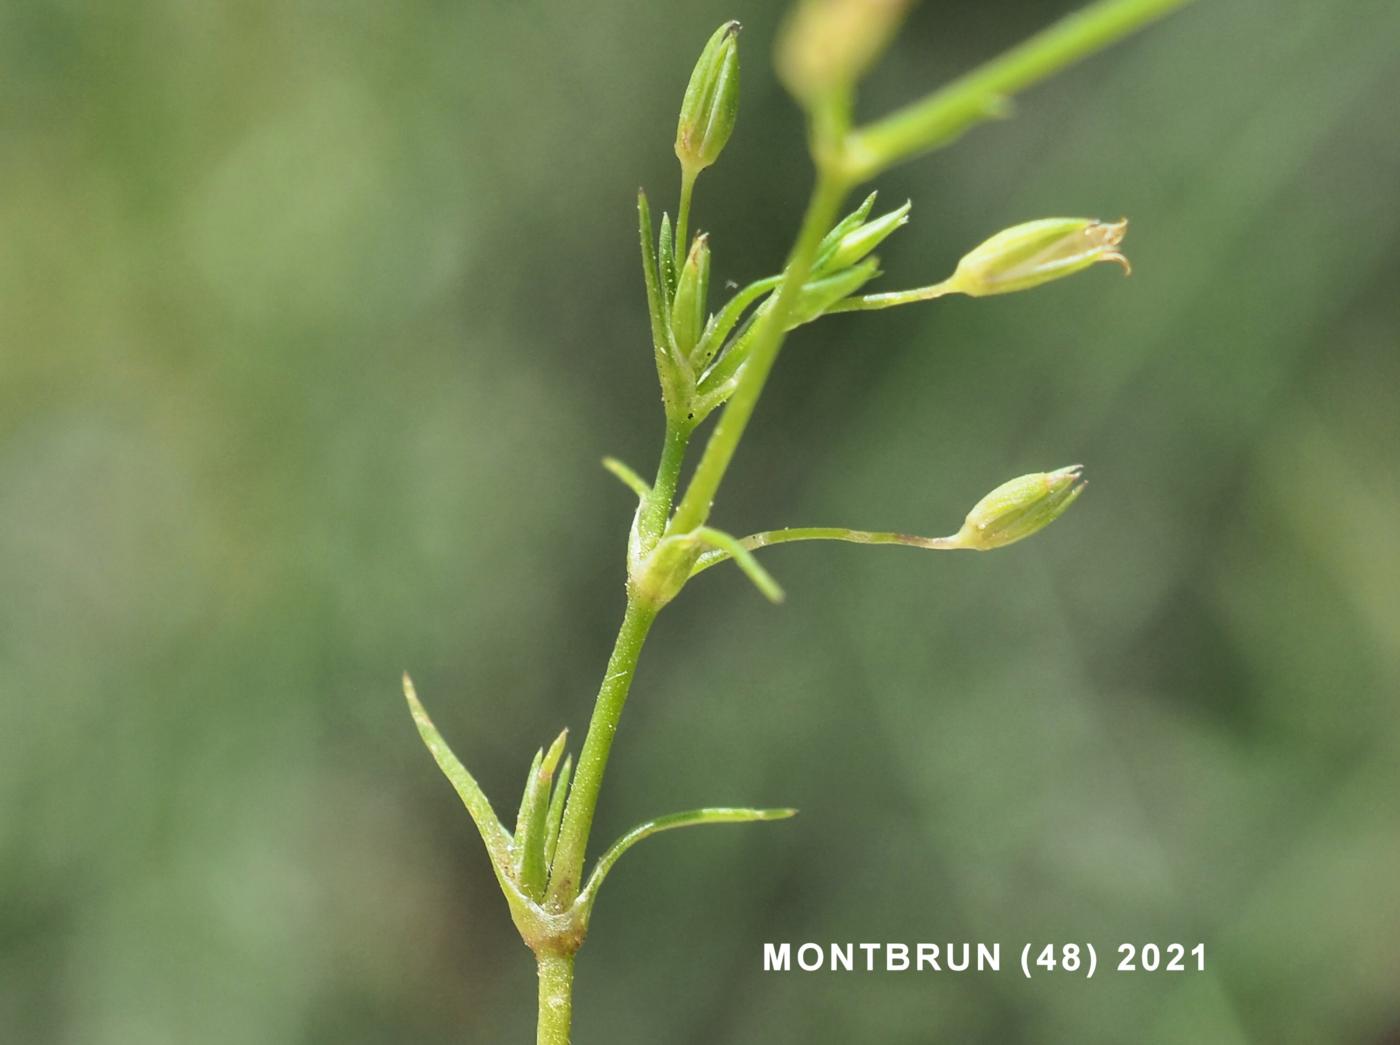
(755, 541)
(768, 336)
(681, 245)
(657, 506)
(567, 872)
(983, 93)
(893, 298)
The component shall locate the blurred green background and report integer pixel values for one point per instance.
(315, 320)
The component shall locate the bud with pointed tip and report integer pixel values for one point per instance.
(666, 256)
(1019, 508)
(827, 45)
(839, 230)
(711, 102)
(692, 288)
(861, 240)
(1037, 252)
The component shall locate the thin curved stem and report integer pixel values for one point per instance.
(755, 541)
(894, 298)
(692, 818)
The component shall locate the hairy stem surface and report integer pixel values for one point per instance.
(556, 999)
(567, 871)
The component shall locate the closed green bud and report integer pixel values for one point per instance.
(827, 45)
(666, 256)
(692, 287)
(839, 230)
(1019, 508)
(711, 101)
(1037, 252)
(820, 294)
(862, 239)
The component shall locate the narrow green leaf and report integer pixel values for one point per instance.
(492, 832)
(649, 274)
(692, 818)
(725, 320)
(666, 254)
(630, 479)
(522, 816)
(744, 559)
(556, 810)
(532, 826)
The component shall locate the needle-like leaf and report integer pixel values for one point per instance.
(744, 559)
(495, 836)
(692, 818)
(555, 815)
(630, 479)
(532, 827)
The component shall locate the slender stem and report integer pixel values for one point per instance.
(567, 872)
(682, 247)
(869, 302)
(556, 999)
(668, 474)
(768, 336)
(980, 95)
(755, 541)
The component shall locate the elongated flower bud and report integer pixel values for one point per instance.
(711, 102)
(692, 286)
(827, 45)
(1037, 252)
(860, 241)
(1019, 508)
(845, 225)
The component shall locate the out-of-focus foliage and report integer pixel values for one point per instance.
(315, 319)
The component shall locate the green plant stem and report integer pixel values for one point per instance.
(844, 159)
(681, 247)
(668, 474)
(567, 872)
(869, 302)
(982, 94)
(768, 337)
(755, 541)
(556, 999)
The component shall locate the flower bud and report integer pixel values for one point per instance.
(861, 240)
(819, 295)
(850, 221)
(692, 288)
(711, 101)
(666, 256)
(1019, 508)
(827, 45)
(1037, 252)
